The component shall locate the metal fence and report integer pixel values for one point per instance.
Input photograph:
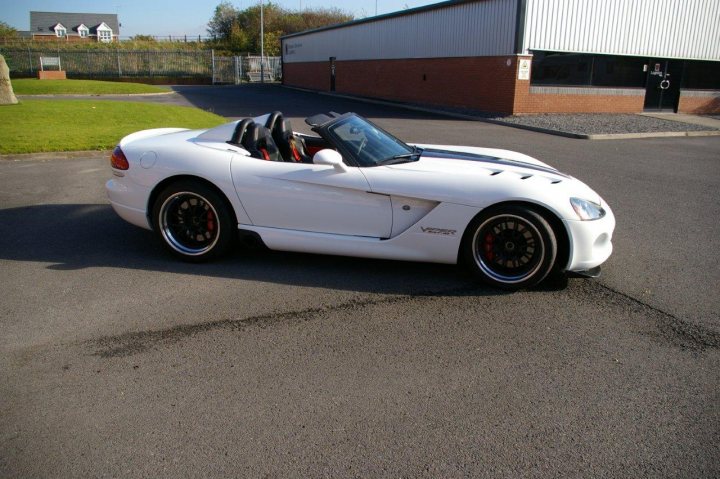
(199, 64)
(236, 70)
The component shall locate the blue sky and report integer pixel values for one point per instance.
(178, 17)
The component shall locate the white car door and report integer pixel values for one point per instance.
(308, 197)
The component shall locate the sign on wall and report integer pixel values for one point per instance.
(524, 69)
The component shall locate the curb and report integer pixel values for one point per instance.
(606, 136)
(56, 155)
(98, 95)
(537, 129)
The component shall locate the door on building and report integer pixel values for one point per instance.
(332, 73)
(662, 92)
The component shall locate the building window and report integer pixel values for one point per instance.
(104, 36)
(614, 71)
(60, 32)
(702, 75)
(573, 69)
(83, 32)
(551, 68)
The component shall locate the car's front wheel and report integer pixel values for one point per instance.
(510, 247)
(193, 221)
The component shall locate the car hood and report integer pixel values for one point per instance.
(483, 154)
(479, 177)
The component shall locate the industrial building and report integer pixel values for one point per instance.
(522, 56)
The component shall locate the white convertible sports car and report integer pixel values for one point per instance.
(356, 190)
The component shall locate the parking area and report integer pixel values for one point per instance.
(117, 360)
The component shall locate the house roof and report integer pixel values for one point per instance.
(43, 22)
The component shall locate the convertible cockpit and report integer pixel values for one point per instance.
(274, 140)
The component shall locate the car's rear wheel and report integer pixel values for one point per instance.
(193, 221)
(510, 247)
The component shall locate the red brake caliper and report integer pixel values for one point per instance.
(210, 221)
(488, 246)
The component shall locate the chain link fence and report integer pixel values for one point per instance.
(109, 64)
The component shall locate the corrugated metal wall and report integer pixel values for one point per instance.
(687, 29)
(484, 28)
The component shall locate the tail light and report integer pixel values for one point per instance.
(118, 160)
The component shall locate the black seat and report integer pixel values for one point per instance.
(259, 143)
(273, 119)
(291, 147)
(239, 131)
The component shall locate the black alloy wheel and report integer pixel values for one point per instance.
(193, 221)
(510, 247)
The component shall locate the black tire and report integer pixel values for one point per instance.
(510, 247)
(193, 221)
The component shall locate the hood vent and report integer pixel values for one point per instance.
(525, 177)
(495, 173)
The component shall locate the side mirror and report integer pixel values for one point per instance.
(331, 158)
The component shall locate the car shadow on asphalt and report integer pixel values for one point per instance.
(78, 236)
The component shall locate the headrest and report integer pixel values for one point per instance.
(252, 135)
(240, 130)
(286, 126)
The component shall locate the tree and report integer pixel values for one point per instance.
(239, 30)
(6, 30)
(144, 38)
(220, 25)
(238, 39)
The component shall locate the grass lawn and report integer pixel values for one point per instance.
(33, 86)
(67, 125)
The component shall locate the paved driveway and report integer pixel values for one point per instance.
(117, 360)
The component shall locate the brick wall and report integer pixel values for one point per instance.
(315, 76)
(485, 83)
(699, 102)
(481, 83)
(578, 100)
(51, 75)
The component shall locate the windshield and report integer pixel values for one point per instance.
(370, 145)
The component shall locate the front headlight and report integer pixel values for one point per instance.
(587, 210)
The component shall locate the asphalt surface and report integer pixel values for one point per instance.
(118, 361)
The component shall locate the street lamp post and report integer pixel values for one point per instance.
(262, 43)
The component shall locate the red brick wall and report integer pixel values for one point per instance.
(485, 83)
(482, 83)
(51, 75)
(699, 105)
(315, 76)
(526, 102)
